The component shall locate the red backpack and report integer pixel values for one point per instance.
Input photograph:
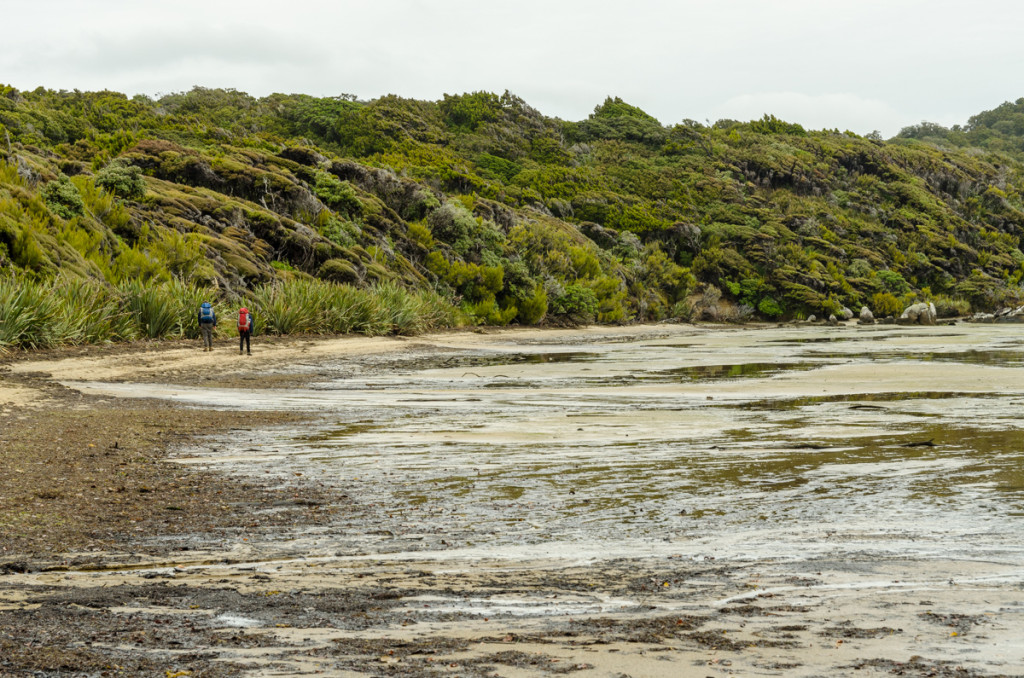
(244, 320)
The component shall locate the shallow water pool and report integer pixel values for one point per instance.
(793, 443)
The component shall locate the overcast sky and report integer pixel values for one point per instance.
(861, 65)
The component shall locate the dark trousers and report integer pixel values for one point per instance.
(243, 339)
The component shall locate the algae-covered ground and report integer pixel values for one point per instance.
(637, 501)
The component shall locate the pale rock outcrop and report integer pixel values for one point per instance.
(1005, 315)
(1011, 315)
(866, 316)
(918, 314)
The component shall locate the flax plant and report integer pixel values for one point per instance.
(72, 311)
(90, 313)
(17, 319)
(156, 311)
(293, 307)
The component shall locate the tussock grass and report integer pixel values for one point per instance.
(17, 317)
(317, 307)
(157, 313)
(73, 311)
(295, 307)
(90, 314)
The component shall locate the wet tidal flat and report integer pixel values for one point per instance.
(666, 500)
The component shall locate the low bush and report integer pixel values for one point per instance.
(63, 198)
(122, 179)
(885, 304)
(946, 307)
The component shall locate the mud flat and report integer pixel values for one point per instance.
(647, 501)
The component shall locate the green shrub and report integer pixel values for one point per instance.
(63, 198)
(122, 179)
(401, 309)
(946, 307)
(769, 308)
(421, 234)
(92, 313)
(74, 311)
(611, 295)
(893, 282)
(683, 310)
(337, 194)
(532, 309)
(315, 307)
(885, 304)
(577, 302)
(489, 312)
(473, 282)
(454, 225)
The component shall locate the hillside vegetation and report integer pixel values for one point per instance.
(482, 202)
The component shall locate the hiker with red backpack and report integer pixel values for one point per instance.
(245, 324)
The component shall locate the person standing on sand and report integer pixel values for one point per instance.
(207, 323)
(245, 323)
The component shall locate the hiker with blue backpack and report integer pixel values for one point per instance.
(207, 323)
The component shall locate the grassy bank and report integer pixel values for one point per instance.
(68, 312)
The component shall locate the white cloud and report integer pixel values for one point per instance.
(865, 65)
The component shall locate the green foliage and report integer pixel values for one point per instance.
(336, 194)
(947, 307)
(500, 168)
(316, 307)
(617, 108)
(769, 308)
(122, 179)
(470, 110)
(577, 303)
(72, 311)
(289, 308)
(473, 282)
(24, 314)
(63, 198)
(617, 120)
(769, 124)
(534, 307)
(518, 215)
(467, 235)
(893, 282)
(159, 314)
(884, 304)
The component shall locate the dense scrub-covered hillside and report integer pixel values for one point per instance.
(517, 217)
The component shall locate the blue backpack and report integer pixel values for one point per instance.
(206, 313)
